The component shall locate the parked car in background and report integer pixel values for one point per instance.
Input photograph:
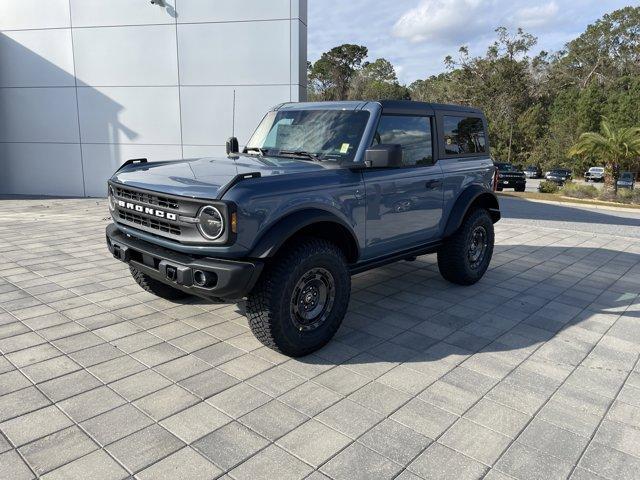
(533, 171)
(626, 180)
(510, 177)
(595, 174)
(559, 175)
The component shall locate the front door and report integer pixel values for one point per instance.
(404, 205)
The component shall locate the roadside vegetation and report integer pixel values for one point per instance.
(589, 193)
(538, 107)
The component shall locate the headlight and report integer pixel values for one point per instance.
(112, 199)
(210, 222)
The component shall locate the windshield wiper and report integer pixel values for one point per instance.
(301, 153)
(261, 151)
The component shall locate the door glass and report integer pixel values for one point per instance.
(412, 133)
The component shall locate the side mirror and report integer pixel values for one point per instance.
(383, 155)
(232, 145)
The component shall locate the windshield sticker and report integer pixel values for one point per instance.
(344, 148)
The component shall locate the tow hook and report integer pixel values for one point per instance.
(172, 273)
(180, 274)
(120, 252)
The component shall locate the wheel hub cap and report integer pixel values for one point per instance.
(312, 299)
(477, 247)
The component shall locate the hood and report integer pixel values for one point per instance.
(206, 177)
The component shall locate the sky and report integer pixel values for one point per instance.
(416, 35)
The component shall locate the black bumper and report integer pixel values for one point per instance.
(512, 183)
(228, 279)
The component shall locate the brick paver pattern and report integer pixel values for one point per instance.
(531, 373)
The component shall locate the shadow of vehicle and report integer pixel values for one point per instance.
(512, 208)
(406, 312)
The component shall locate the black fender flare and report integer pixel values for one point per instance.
(284, 228)
(472, 195)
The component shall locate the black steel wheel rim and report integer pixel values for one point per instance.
(478, 244)
(312, 299)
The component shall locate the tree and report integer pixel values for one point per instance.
(618, 148)
(500, 83)
(607, 50)
(330, 76)
(377, 81)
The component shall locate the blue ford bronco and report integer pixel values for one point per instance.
(321, 191)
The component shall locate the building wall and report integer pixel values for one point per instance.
(88, 84)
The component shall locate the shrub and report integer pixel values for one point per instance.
(625, 195)
(548, 187)
(608, 195)
(579, 191)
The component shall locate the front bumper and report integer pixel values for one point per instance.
(512, 182)
(229, 279)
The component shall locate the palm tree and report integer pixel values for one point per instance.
(617, 148)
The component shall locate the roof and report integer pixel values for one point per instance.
(409, 106)
(389, 106)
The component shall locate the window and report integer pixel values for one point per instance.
(505, 167)
(463, 135)
(328, 134)
(413, 133)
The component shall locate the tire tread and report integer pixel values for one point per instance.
(262, 306)
(451, 256)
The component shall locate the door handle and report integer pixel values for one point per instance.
(433, 184)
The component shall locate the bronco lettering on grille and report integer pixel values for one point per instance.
(147, 210)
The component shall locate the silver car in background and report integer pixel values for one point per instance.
(594, 174)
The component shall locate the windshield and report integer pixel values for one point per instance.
(596, 169)
(626, 176)
(559, 172)
(505, 167)
(324, 134)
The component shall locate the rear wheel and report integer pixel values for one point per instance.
(520, 189)
(465, 256)
(301, 298)
(159, 289)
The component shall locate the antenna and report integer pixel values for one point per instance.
(233, 115)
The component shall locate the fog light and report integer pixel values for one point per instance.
(204, 279)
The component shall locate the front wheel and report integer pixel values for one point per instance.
(520, 189)
(301, 298)
(465, 256)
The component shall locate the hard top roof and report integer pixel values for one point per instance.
(409, 106)
(389, 106)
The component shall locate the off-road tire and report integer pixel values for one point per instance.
(520, 189)
(159, 289)
(499, 189)
(453, 260)
(269, 303)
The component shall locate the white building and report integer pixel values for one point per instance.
(88, 84)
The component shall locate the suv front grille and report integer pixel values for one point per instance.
(159, 225)
(148, 198)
